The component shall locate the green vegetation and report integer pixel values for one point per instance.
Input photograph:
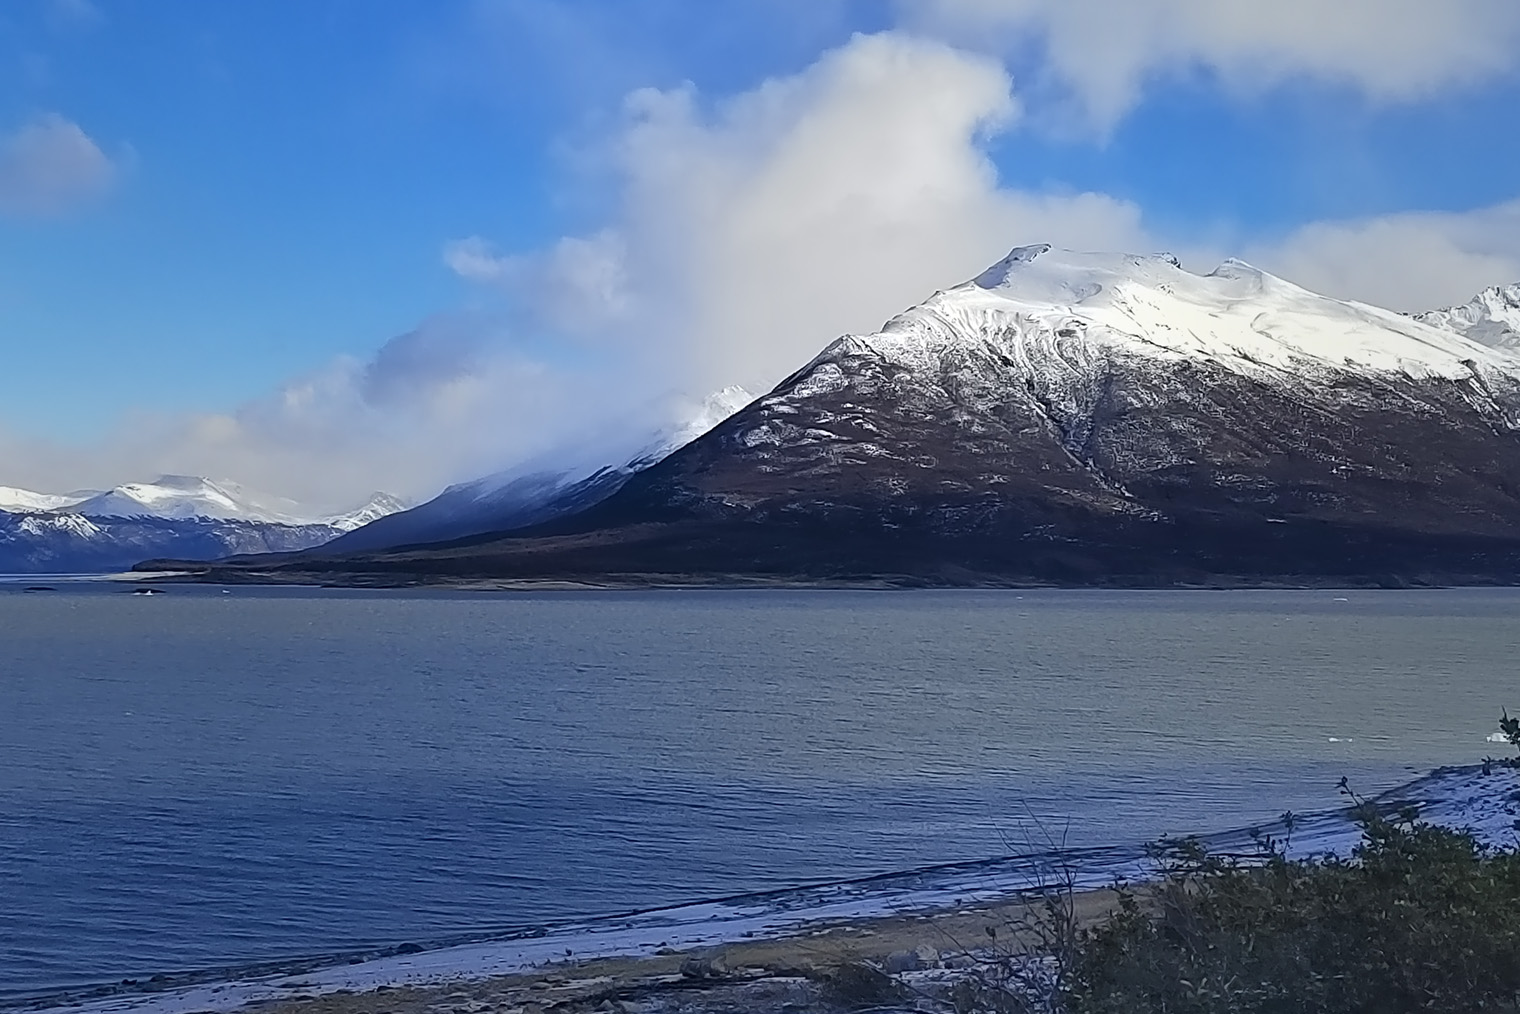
(1511, 729)
(1419, 919)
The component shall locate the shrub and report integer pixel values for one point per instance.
(1511, 729)
(1419, 919)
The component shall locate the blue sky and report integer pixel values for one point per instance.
(279, 189)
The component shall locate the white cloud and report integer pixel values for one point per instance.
(755, 230)
(579, 287)
(1106, 51)
(1411, 261)
(478, 260)
(50, 166)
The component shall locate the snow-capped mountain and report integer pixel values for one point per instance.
(379, 505)
(1492, 318)
(552, 486)
(178, 496)
(192, 496)
(22, 500)
(1085, 418)
(175, 515)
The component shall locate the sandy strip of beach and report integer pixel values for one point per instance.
(784, 973)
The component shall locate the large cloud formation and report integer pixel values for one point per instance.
(754, 230)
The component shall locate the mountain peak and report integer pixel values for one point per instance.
(1491, 318)
(1236, 316)
(998, 274)
(380, 504)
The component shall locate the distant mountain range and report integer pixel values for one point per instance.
(1068, 418)
(104, 530)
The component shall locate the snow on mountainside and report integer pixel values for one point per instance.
(379, 505)
(1050, 307)
(1492, 317)
(552, 486)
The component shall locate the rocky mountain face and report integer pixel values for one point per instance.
(1081, 418)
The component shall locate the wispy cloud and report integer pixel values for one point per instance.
(51, 166)
(75, 14)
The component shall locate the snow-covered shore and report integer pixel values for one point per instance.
(1472, 798)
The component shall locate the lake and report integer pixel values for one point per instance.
(205, 778)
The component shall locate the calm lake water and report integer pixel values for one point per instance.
(201, 779)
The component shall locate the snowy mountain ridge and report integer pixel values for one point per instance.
(1055, 307)
(1491, 318)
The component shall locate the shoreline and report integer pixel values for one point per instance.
(379, 581)
(770, 939)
